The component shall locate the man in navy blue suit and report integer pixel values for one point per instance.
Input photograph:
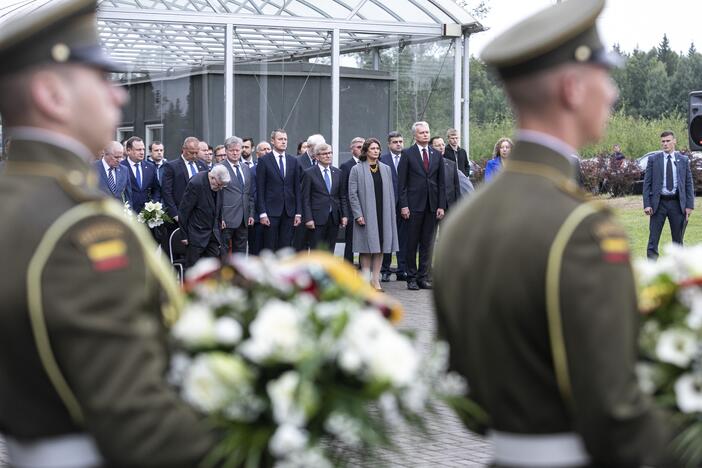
(422, 202)
(176, 175)
(668, 192)
(355, 147)
(113, 178)
(323, 199)
(392, 158)
(142, 174)
(302, 237)
(158, 159)
(278, 193)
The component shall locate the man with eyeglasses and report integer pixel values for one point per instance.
(323, 200)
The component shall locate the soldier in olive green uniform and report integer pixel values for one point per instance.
(534, 288)
(84, 298)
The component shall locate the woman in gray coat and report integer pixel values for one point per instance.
(372, 202)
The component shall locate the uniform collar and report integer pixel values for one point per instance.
(49, 137)
(544, 155)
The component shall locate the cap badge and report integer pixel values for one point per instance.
(60, 52)
(583, 53)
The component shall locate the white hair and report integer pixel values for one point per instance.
(314, 140)
(421, 123)
(221, 174)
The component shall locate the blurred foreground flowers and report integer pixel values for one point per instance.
(297, 362)
(670, 299)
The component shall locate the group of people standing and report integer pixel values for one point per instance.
(232, 203)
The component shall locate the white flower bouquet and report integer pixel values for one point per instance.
(297, 363)
(670, 298)
(153, 215)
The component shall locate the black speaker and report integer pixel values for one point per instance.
(695, 120)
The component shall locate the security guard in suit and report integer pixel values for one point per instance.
(84, 298)
(539, 303)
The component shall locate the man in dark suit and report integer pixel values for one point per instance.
(158, 159)
(255, 231)
(247, 150)
(237, 199)
(455, 153)
(323, 199)
(201, 214)
(142, 174)
(303, 236)
(112, 176)
(176, 175)
(355, 147)
(278, 193)
(392, 159)
(422, 201)
(453, 187)
(668, 192)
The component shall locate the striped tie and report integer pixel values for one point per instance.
(111, 180)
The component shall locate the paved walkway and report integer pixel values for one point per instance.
(447, 444)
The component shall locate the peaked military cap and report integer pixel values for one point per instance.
(57, 31)
(565, 32)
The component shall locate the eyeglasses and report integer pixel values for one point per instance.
(324, 154)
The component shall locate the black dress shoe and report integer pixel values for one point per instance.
(424, 284)
(401, 276)
(412, 285)
(385, 277)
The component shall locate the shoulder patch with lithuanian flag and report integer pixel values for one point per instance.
(613, 242)
(105, 245)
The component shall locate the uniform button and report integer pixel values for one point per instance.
(76, 178)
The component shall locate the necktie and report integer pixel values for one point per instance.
(314, 162)
(111, 180)
(193, 169)
(238, 176)
(281, 166)
(138, 174)
(327, 180)
(669, 175)
(158, 174)
(425, 159)
(397, 161)
(248, 163)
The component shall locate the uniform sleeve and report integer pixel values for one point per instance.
(102, 310)
(599, 315)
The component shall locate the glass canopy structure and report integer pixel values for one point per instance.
(342, 67)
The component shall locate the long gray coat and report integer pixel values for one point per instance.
(362, 203)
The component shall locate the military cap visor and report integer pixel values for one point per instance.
(63, 31)
(563, 33)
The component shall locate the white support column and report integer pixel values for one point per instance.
(228, 81)
(335, 91)
(457, 73)
(466, 95)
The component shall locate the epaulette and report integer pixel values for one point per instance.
(79, 185)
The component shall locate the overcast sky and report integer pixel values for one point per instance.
(630, 23)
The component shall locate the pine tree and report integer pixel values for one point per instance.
(666, 56)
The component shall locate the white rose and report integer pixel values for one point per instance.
(215, 380)
(676, 346)
(155, 223)
(350, 361)
(688, 393)
(195, 327)
(276, 332)
(228, 331)
(394, 359)
(203, 267)
(286, 439)
(282, 393)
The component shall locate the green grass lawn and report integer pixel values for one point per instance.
(630, 213)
